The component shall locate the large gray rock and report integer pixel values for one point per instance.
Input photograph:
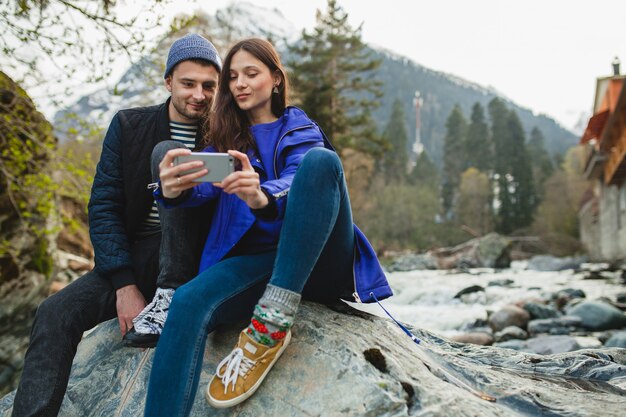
(540, 311)
(598, 316)
(347, 363)
(412, 261)
(510, 333)
(475, 338)
(509, 315)
(489, 251)
(543, 345)
(551, 263)
(617, 339)
(554, 326)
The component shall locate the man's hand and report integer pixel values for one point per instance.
(129, 304)
(173, 183)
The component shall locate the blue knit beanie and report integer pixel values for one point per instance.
(191, 46)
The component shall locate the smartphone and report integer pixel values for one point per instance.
(218, 164)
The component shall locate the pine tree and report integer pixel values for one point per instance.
(498, 114)
(477, 144)
(453, 156)
(395, 160)
(540, 159)
(514, 188)
(333, 77)
(524, 197)
(425, 172)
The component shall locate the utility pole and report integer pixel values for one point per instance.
(418, 147)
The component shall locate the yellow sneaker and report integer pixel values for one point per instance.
(241, 373)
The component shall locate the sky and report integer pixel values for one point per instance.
(542, 54)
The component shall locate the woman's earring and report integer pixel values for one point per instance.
(275, 90)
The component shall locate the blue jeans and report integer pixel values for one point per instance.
(59, 324)
(314, 257)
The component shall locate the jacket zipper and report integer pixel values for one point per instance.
(355, 294)
(278, 144)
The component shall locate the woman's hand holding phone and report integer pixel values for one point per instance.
(173, 182)
(245, 183)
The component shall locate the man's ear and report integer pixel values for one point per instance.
(168, 83)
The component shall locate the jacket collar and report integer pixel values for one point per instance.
(163, 122)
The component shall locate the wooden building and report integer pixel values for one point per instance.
(603, 210)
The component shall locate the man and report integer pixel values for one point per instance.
(124, 229)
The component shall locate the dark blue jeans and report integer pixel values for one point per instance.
(168, 260)
(184, 232)
(59, 325)
(314, 257)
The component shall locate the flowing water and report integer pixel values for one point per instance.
(425, 298)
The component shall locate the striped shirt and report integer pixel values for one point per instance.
(180, 132)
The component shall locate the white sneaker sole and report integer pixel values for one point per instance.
(229, 403)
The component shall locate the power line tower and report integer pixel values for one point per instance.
(417, 147)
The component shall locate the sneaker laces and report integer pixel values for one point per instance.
(235, 365)
(152, 318)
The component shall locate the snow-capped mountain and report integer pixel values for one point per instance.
(142, 84)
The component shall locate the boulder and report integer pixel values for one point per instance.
(510, 333)
(543, 345)
(547, 345)
(475, 338)
(554, 326)
(617, 339)
(469, 290)
(489, 251)
(552, 263)
(598, 316)
(505, 282)
(509, 315)
(345, 362)
(540, 311)
(411, 262)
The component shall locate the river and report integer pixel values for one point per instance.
(425, 298)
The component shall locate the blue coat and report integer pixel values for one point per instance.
(277, 163)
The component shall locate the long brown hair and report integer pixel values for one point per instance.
(228, 126)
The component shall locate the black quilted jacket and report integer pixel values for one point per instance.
(120, 200)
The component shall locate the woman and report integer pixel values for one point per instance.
(290, 183)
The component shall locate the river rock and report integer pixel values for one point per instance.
(475, 338)
(510, 333)
(547, 345)
(551, 263)
(349, 363)
(597, 316)
(617, 339)
(505, 282)
(411, 262)
(555, 326)
(569, 293)
(469, 290)
(489, 251)
(568, 297)
(540, 311)
(621, 298)
(543, 345)
(509, 315)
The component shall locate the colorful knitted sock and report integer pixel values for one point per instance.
(273, 315)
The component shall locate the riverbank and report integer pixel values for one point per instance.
(457, 304)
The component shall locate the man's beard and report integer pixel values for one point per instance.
(198, 117)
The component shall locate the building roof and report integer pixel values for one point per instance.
(595, 126)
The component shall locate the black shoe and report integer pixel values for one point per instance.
(140, 340)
